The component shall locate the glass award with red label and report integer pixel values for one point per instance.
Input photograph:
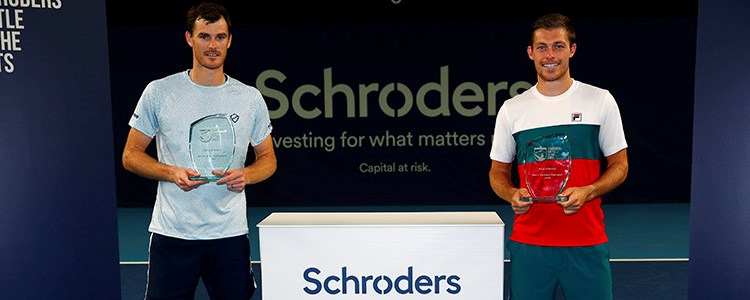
(546, 167)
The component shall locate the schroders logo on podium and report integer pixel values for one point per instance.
(344, 283)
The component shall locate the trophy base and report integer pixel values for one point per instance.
(545, 199)
(204, 178)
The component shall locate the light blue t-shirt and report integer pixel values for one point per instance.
(165, 111)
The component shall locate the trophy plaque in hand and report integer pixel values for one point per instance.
(211, 145)
(547, 165)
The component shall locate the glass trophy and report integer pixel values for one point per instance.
(211, 145)
(547, 165)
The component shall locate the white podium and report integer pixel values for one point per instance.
(388, 255)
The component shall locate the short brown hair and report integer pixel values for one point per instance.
(208, 11)
(553, 21)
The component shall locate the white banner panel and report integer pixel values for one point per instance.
(404, 255)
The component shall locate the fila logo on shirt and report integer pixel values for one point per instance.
(576, 117)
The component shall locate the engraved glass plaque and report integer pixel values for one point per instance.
(546, 168)
(211, 145)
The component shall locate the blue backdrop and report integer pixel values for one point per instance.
(720, 210)
(58, 227)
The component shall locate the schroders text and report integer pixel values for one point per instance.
(395, 99)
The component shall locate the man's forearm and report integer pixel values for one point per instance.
(614, 175)
(146, 166)
(500, 181)
(261, 169)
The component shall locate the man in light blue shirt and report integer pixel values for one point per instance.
(199, 227)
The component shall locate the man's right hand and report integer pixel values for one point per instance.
(521, 207)
(182, 179)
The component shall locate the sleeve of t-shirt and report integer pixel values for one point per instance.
(503, 144)
(144, 117)
(611, 134)
(262, 121)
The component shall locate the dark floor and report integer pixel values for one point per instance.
(647, 280)
(636, 231)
